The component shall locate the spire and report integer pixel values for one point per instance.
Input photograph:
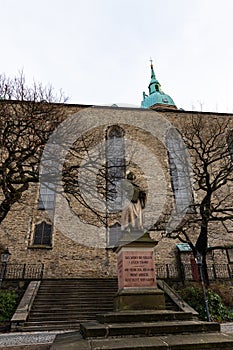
(154, 84)
(152, 69)
(156, 95)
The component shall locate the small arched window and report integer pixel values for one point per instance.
(43, 234)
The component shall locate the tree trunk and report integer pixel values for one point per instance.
(201, 248)
(5, 207)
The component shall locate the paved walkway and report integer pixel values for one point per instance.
(32, 338)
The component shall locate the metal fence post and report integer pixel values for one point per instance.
(24, 271)
(214, 272)
(229, 271)
(42, 271)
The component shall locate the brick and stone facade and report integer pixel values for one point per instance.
(73, 252)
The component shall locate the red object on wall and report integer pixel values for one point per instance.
(194, 268)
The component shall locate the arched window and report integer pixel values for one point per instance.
(179, 171)
(115, 164)
(48, 179)
(46, 196)
(115, 234)
(43, 234)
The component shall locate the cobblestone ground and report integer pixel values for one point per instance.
(227, 327)
(16, 339)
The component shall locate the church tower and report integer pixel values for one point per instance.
(156, 99)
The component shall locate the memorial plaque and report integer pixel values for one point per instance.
(136, 269)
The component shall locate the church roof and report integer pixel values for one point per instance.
(156, 95)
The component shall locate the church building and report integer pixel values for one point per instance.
(111, 172)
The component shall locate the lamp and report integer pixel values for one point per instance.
(5, 256)
(199, 259)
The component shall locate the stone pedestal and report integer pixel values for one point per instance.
(137, 288)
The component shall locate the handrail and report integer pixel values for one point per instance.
(176, 298)
(21, 314)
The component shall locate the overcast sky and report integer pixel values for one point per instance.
(98, 51)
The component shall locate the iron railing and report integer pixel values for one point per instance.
(186, 272)
(24, 271)
(215, 271)
(163, 271)
(167, 271)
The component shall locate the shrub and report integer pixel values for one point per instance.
(8, 303)
(194, 297)
(225, 290)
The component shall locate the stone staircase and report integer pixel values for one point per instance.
(176, 328)
(84, 307)
(64, 304)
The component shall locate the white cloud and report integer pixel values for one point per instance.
(98, 51)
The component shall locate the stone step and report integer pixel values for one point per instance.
(77, 291)
(49, 327)
(72, 306)
(78, 285)
(56, 322)
(90, 330)
(69, 300)
(74, 301)
(89, 296)
(197, 341)
(77, 318)
(81, 282)
(41, 313)
(143, 316)
(84, 287)
(61, 316)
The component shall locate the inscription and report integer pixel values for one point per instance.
(136, 269)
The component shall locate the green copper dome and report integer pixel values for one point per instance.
(156, 95)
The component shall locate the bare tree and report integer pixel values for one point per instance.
(209, 140)
(91, 178)
(27, 117)
(85, 179)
